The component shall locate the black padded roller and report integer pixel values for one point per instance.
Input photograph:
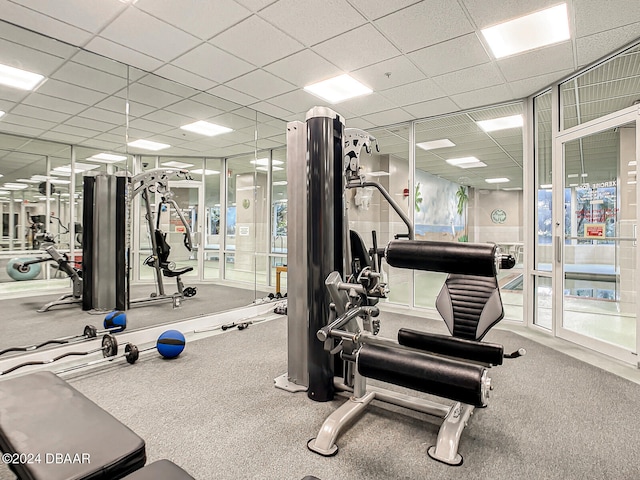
(446, 257)
(489, 353)
(439, 376)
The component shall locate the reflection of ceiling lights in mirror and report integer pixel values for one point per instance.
(148, 145)
(14, 186)
(497, 180)
(199, 171)
(503, 123)
(175, 164)
(21, 79)
(378, 174)
(4, 192)
(265, 162)
(512, 189)
(27, 180)
(466, 162)
(78, 168)
(266, 169)
(632, 163)
(106, 158)
(631, 182)
(535, 30)
(59, 181)
(433, 144)
(206, 128)
(338, 89)
(572, 175)
(281, 183)
(546, 186)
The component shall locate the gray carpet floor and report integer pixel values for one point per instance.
(214, 411)
(22, 325)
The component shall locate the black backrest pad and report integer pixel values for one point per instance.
(163, 247)
(359, 252)
(470, 305)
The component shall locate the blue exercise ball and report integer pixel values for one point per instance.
(116, 320)
(170, 344)
(18, 271)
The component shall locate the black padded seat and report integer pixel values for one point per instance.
(160, 470)
(41, 414)
(176, 273)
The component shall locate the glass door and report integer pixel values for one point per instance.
(596, 217)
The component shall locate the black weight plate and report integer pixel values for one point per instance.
(90, 331)
(109, 346)
(132, 353)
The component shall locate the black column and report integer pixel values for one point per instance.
(324, 237)
(88, 190)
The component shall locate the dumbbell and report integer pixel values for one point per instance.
(109, 349)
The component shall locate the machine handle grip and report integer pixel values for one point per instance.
(518, 353)
(507, 262)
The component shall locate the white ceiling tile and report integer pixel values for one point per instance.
(595, 16)
(297, 101)
(172, 119)
(232, 121)
(148, 125)
(27, 121)
(27, 38)
(56, 104)
(146, 34)
(255, 5)
(256, 41)
(415, 92)
(401, 71)
(25, 58)
(270, 131)
(113, 104)
(270, 109)
(137, 109)
(20, 130)
(367, 104)
(212, 63)
(303, 68)
(379, 8)
(43, 24)
(168, 86)
(261, 84)
(83, 122)
(364, 46)
(81, 75)
(472, 78)
(425, 24)
(202, 19)
(215, 102)
(99, 62)
(483, 97)
(529, 86)
(486, 13)
(113, 118)
(313, 22)
(223, 91)
(91, 15)
(151, 96)
(431, 108)
(390, 117)
(456, 54)
(361, 123)
(36, 112)
(12, 95)
(122, 54)
(193, 110)
(594, 47)
(185, 77)
(537, 62)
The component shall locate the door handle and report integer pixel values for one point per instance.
(558, 249)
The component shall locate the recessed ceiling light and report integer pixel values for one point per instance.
(535, 30)
(265, 162)
(15, 186)
(512, 189)
(199, 171)
(265, 169)
(497, 180)
(503, 123)
(572, 175)
(546, 186)
(148, 145)
(573, 184)
(280, 184)
(59, 181)
(4, 192)
(176, 164)
(21, 79)
(584, 175)
(433, 144)
(206, 128)
(338, 89)
(466, 162)
(106, 158)
(79, 168)
(26, 180)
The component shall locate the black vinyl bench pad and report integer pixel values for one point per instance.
(42, 414)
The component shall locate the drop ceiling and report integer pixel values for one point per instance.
(225, 60)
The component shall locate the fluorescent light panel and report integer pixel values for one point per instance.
(266, 169)
(14, 186)
(206, 128)
(466, 162)
(148, 145)
(495, 124)
(175, 164)
(281, 183)
(535, 30)
(107, 158)
(338, 89)
(21, 79)
(199, 171)
(4, 192)
(265, 162)
(497, 180)
(433, 144)
(546, 186)
(27, 180)
(59, 181)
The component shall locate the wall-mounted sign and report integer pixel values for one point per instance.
(594, 230)
(180, 229)
(498, 216)
(243, 231)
